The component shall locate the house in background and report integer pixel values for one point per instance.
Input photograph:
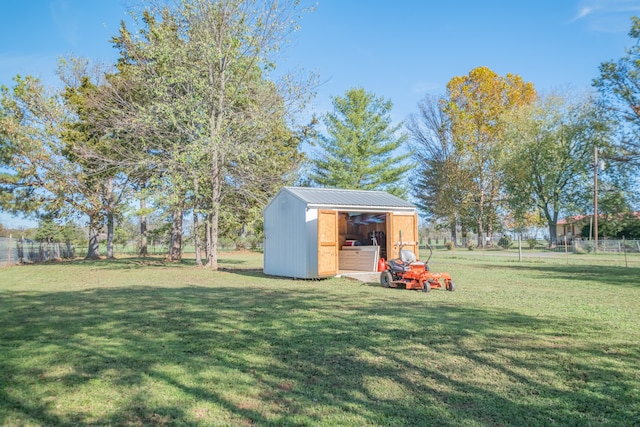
(570, 228)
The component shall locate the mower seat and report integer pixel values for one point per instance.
(407, 256)
(398, 266)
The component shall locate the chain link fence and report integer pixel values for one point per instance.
(19, 251)
(605, 246)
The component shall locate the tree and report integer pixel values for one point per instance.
(359, 151)
(549, 156)
(440, 184)
(80, 135)
(475, 104)
(40, 176)
(619, 84)
(48, 231)
(193, 101)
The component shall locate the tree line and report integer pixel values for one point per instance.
(191, 123)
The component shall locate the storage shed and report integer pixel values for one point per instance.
(320, 232)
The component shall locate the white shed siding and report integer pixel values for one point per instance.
(285, 237)
(311, 226)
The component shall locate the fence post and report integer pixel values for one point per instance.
(9, 252)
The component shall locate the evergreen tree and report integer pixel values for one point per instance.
(359, 151)
(48, 231)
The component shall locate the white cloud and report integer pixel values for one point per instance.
(583, 12)
(607, 16)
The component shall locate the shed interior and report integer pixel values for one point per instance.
(362, 240)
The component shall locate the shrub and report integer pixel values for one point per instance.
(583, 247)
(471, 246)
(532, 243)
(505, 242)
(448, 245)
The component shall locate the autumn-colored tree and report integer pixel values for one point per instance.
(475, 104)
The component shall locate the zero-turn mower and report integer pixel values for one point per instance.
(410, 273)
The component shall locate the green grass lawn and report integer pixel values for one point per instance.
(143, 342)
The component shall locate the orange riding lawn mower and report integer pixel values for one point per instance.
(409, 273)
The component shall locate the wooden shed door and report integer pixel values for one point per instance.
(327, 243)
(408, 225)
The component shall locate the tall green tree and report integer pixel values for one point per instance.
(80, 136)
(204, 106)
(360, 150)
(440, 183)
(549, 156)
(40, 176)
(475, 104)
(619, 85)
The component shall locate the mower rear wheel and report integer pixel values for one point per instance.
(386, 279)
(427, 287)
(450, 286)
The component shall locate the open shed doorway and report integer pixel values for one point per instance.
(362, 240)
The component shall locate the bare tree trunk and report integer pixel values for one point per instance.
(212, 239)
(110, 231)
(553, 235)
(175, 249)
(480, 231)
(110, 217)
(93, 251)
(196, 238)
(454, 232)
(208, 239)
(212, 262)
(463, 232)
(212, 235)
(143, 228)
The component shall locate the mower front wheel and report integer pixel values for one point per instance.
(450, 286)
(426, 287)
(386, 279)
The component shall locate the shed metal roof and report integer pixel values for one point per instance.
(351, 198)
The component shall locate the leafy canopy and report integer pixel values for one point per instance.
(359, 151)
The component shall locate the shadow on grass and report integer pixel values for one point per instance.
(301, 356)
(623, 276)
(128, 263)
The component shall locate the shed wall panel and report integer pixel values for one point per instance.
(285, 234)
(311, 249)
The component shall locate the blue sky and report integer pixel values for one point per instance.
(401, 50)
